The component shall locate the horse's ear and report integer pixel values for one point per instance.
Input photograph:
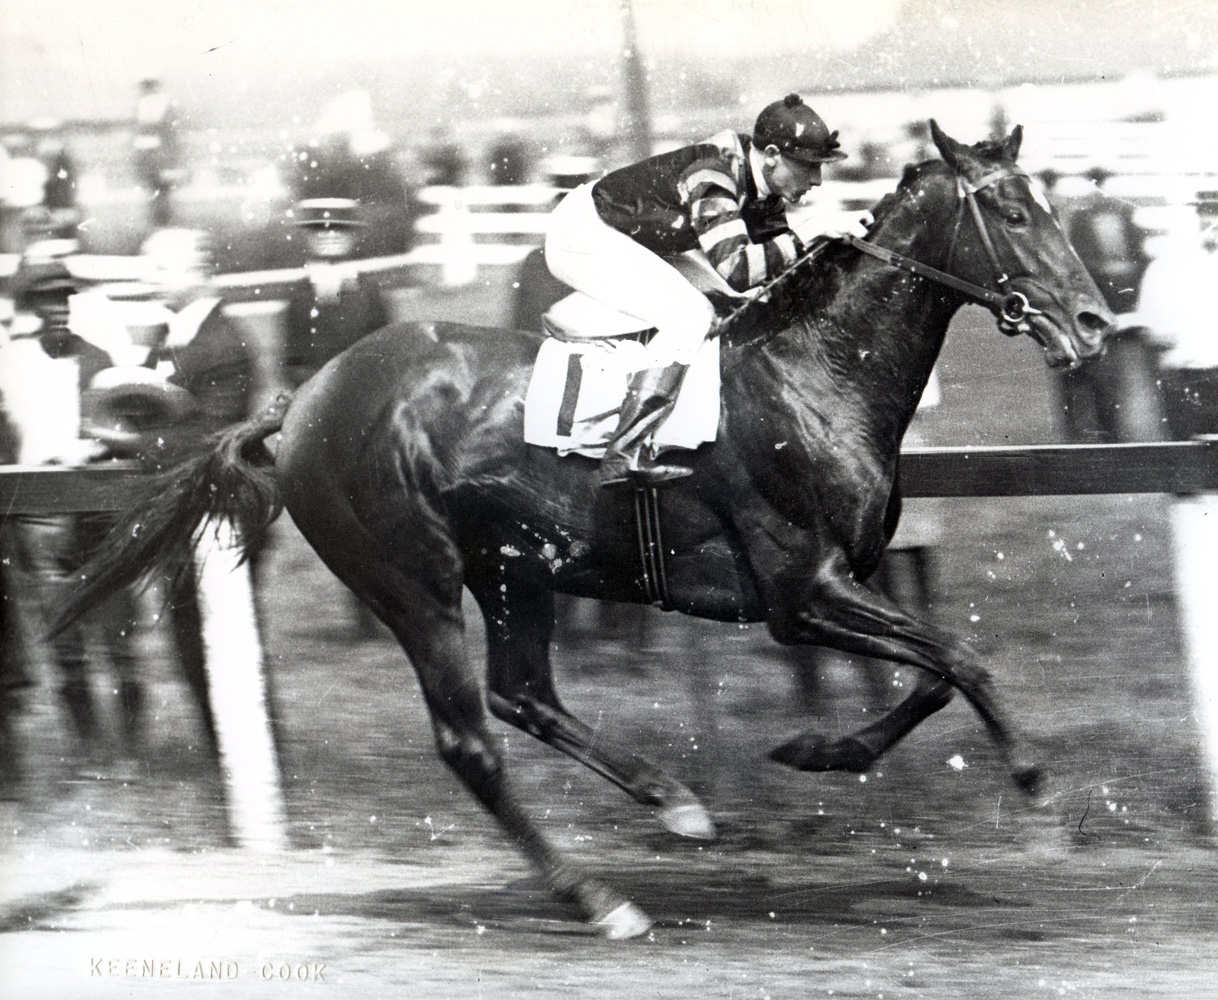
(948, 147)
(1010, 146)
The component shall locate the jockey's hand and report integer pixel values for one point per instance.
(834, 225)
(849, 224)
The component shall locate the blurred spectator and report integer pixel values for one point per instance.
(197, 349)
(44, 366)
(82, 385)
(15, 676)
(1175, 308)
(200, 358)
(59, 191)
(336, 304)
(24, 180)
(8, 240)
(444, 161)
(157, 149)
(351, 158)
(1113, 398)
(51, 228)
(509, 161)
(1109, 243)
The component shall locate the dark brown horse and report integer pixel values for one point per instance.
(404, 466)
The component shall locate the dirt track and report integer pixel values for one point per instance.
(929, 879)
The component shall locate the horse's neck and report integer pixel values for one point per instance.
(881, 329)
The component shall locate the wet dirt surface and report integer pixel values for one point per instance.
(932, 877)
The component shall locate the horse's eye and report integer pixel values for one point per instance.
(1015, 217)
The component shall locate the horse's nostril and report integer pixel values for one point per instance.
(1093, 326)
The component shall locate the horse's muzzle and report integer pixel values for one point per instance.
(1093, 329)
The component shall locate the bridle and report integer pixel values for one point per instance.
(1012, 307)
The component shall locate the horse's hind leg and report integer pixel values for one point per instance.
(519, 623)
(857, 752)
(412, 581)
(837, 611)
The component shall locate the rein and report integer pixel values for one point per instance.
(1013, 307)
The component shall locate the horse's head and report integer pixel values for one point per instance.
(1007, 239)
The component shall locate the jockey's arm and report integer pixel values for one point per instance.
(723, 235)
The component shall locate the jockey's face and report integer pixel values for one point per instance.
(789, 178)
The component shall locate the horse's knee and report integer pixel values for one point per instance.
(971, 678)
(468, 754)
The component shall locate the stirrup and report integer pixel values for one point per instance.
(647, 474)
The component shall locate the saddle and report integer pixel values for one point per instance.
(581, 372)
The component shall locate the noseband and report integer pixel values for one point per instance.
(1012, 307)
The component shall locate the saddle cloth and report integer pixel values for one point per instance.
(576, 392)
(580, 376)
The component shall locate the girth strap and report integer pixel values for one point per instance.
(651, 546)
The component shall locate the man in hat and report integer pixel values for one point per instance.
(156, 396)
(156, 147)
(337, 304)
(42, 368)
(1110, 243)
(1115, 399)
(725, 197)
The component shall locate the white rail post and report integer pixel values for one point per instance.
(1195, 541)
(237, 690)
(456, 242)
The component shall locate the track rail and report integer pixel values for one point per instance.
(1182, 467)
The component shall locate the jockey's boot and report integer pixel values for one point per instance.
(650, 397)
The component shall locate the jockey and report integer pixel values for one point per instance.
(725, 197)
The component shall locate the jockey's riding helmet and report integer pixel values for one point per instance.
(797, 131)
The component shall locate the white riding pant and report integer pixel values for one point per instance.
(592, 257)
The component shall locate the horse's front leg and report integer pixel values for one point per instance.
(836, 610)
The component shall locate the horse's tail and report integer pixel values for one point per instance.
(233, 480)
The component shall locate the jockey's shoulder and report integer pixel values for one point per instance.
(720, 165)
(729, 143)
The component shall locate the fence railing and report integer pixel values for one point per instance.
(497, 226)
(1179, 467)
(1187, 468)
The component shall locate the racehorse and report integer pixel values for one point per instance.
(403, 463)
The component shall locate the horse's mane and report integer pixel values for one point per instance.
(814, 279)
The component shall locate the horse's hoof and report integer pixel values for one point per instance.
(622, 922)
(1030, 779)
(688, 819)
(806, 753)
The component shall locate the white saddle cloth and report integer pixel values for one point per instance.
(576, 392)
(580, 377)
